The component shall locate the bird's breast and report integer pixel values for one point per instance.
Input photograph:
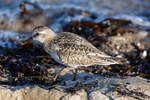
(55, 57)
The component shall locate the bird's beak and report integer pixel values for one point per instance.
(28, 41)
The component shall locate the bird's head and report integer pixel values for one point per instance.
(41, 34)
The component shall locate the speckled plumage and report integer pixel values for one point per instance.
(70, 49)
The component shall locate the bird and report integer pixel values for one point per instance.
(70, 49)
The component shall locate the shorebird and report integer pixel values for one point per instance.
(70, 49)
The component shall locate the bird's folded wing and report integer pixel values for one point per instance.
(83, 55)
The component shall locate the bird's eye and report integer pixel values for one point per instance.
(37, 33)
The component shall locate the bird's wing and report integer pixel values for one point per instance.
(82, 55)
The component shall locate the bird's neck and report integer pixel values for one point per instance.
(47, 42)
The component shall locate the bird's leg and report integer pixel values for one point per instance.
(57, 75)
(75, 74)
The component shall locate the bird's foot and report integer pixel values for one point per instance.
(57, 75)
(75, 74)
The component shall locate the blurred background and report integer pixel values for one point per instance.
(21, 17)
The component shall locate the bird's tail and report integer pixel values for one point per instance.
(110, 60)
(120, 60)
